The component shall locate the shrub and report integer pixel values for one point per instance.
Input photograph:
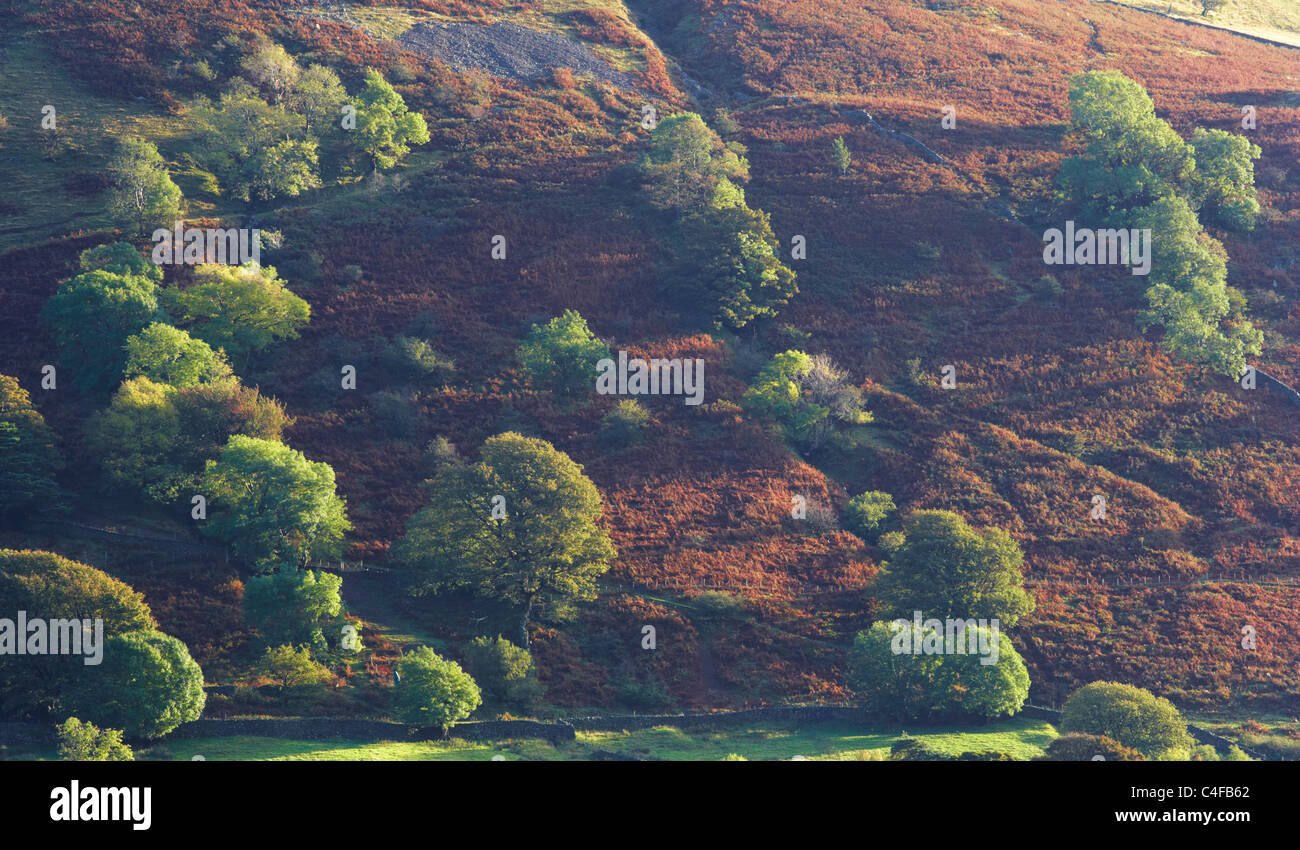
(291, 667)
(504, 672)
(867, 510)
(294, 606)
(80, 741)
(1076, 746)
(147, 685)
(913, 749)
(433, 691)
(1132, 716)
(625, 424)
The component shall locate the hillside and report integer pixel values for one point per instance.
(908, 259)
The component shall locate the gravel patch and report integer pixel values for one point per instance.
(509, 50)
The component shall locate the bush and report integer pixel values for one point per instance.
(945, 568)
(1132, 716)
(1076, 746)
(147, 685)
(440, 452)
(912, 749)
(504, 673)
(561, 356)
(625, 423)
(891, 679)
(291, 667)
(433, 691)
(80, 741)
(719, 603)
(293, 607)
(867, 510)
(416, 358)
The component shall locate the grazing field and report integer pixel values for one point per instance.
(1023, 739)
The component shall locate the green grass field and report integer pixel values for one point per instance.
(1023, 738)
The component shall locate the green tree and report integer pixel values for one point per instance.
(893, 681)
(80, 741)
(273, 71)
(156, 439)
(295, 607)
(147, 685)
(810, 398)
(28, 457)
(240, 309)
(866, 511)
(685, 160)
(170, 356)
(272, 505)
(561, 356)
(119, 258)
(1136, 171)
(319, 97)
(890, 684)
(59, 588)
(504, 672)
(945, 568)
(841, 157)
(432, 691)
(1132, 158)
(92, 316)
(291, 667)
(969, 687)
(386, 129)
(1224, 180)
(545, 541)
(143, 195)
(1132, 716)
(728, 258)
(258, 151)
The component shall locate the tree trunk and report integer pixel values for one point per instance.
(523, 624)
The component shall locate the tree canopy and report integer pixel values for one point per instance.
(1137, 172)
(385, 127)
(92, 316)
(544, 541)
(156, 439)
(170, 356)
(143, 196)
(58, 588)
(907, 685)
(147, 685)
(240, 309)
(433, 691)
(29, 459)
(561, 356)
(1132, 716)
(945, 569)
(272, 505)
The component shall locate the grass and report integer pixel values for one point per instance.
(35, 185)
(1021, 737)
(1278, 20)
